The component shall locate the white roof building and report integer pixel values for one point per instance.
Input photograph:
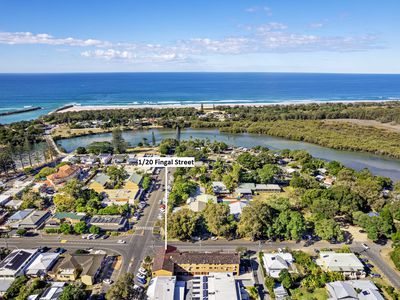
(353, 290)
(236, 208)
(42, 263)
(346, 263)
(274, 263)
(163, 288)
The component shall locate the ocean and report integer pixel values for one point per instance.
(52, 91)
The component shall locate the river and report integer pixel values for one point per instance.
(378, 165)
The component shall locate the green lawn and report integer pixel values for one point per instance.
(303, 294)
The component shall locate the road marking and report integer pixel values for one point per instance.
(63, 241)
(143, 228)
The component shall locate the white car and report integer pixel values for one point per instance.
(121, 242)
(365, 246)
(143, 271)
(214, 238)
(107, 281)
(141, 276)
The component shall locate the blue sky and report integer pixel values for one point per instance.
(349, 36)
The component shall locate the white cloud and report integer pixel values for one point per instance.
(316, 25)
(15, 38)
(109, 54)
(271, 37)
(264, 9)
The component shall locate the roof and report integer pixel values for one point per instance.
(68, 215)
(101, 178)
(63, 172)
(88, 263)
(341, 290)
(275, 262)
(53, 292)
(340, 262)
(20, 215)
(243, 191)
(15, 261)
(237, 207)
(161, 288)
(107, 220)
(206, 198)
(219, 187)
(197, 206)
(247, 185)
(34, 217)
(135, 178)
(42, 263)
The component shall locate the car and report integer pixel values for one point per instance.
(104, 237)
(142, 281)
(365, 246)
(364, 259)
(214, 238)
(84, 236)
(107, 281)
(142, 271)
(375, 275)
(121, 242)
(369, 266)
(60, 250)
(196, 238)
(140, 276)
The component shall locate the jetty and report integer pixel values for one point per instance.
(20, 111)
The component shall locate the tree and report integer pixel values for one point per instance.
(32, 200)
(117, 175)
(153, 138)
(80, 227)
(218, 219)
(289, 225)
(182, 224)
(94, 229)
(64, 202)
(28, 149)
(13, 291)
(122, 289)
(66, 228)
(81, 150)
(100, 147)
(328, 229)
(118, 142)
(285, 278)
(146, 182)
(73, 291)
(267, 173)
(46, 171)
(256, 221)
(6, 161)
(21, 231)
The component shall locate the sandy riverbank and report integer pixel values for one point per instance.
(77, 108)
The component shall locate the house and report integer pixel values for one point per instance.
(53, 292)
(14, 220)
(270, 188)
(109, 223)
(346, 263)
(4, 198)
(42, 264)
(119, 196)
(353, 289)
(274, 263)
(105, 159)
(14, 265)
(280, 292)
(173, 262)
(200, 202)
(243, 192)
(68, 217)
(236, 208)
(64, 174)
(219, 188)
(328, 181)
(14, 204)
(74, 266)
(34, 220)
(119, 159)
(98, 183)
(134, 181)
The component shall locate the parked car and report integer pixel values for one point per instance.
(214, 238)
(142, 281)
(365, 246)
(104, 237)
(60, 250)
(375, 275)
(121, 242)
(142, 271)
(107, 281)
(140, 276)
